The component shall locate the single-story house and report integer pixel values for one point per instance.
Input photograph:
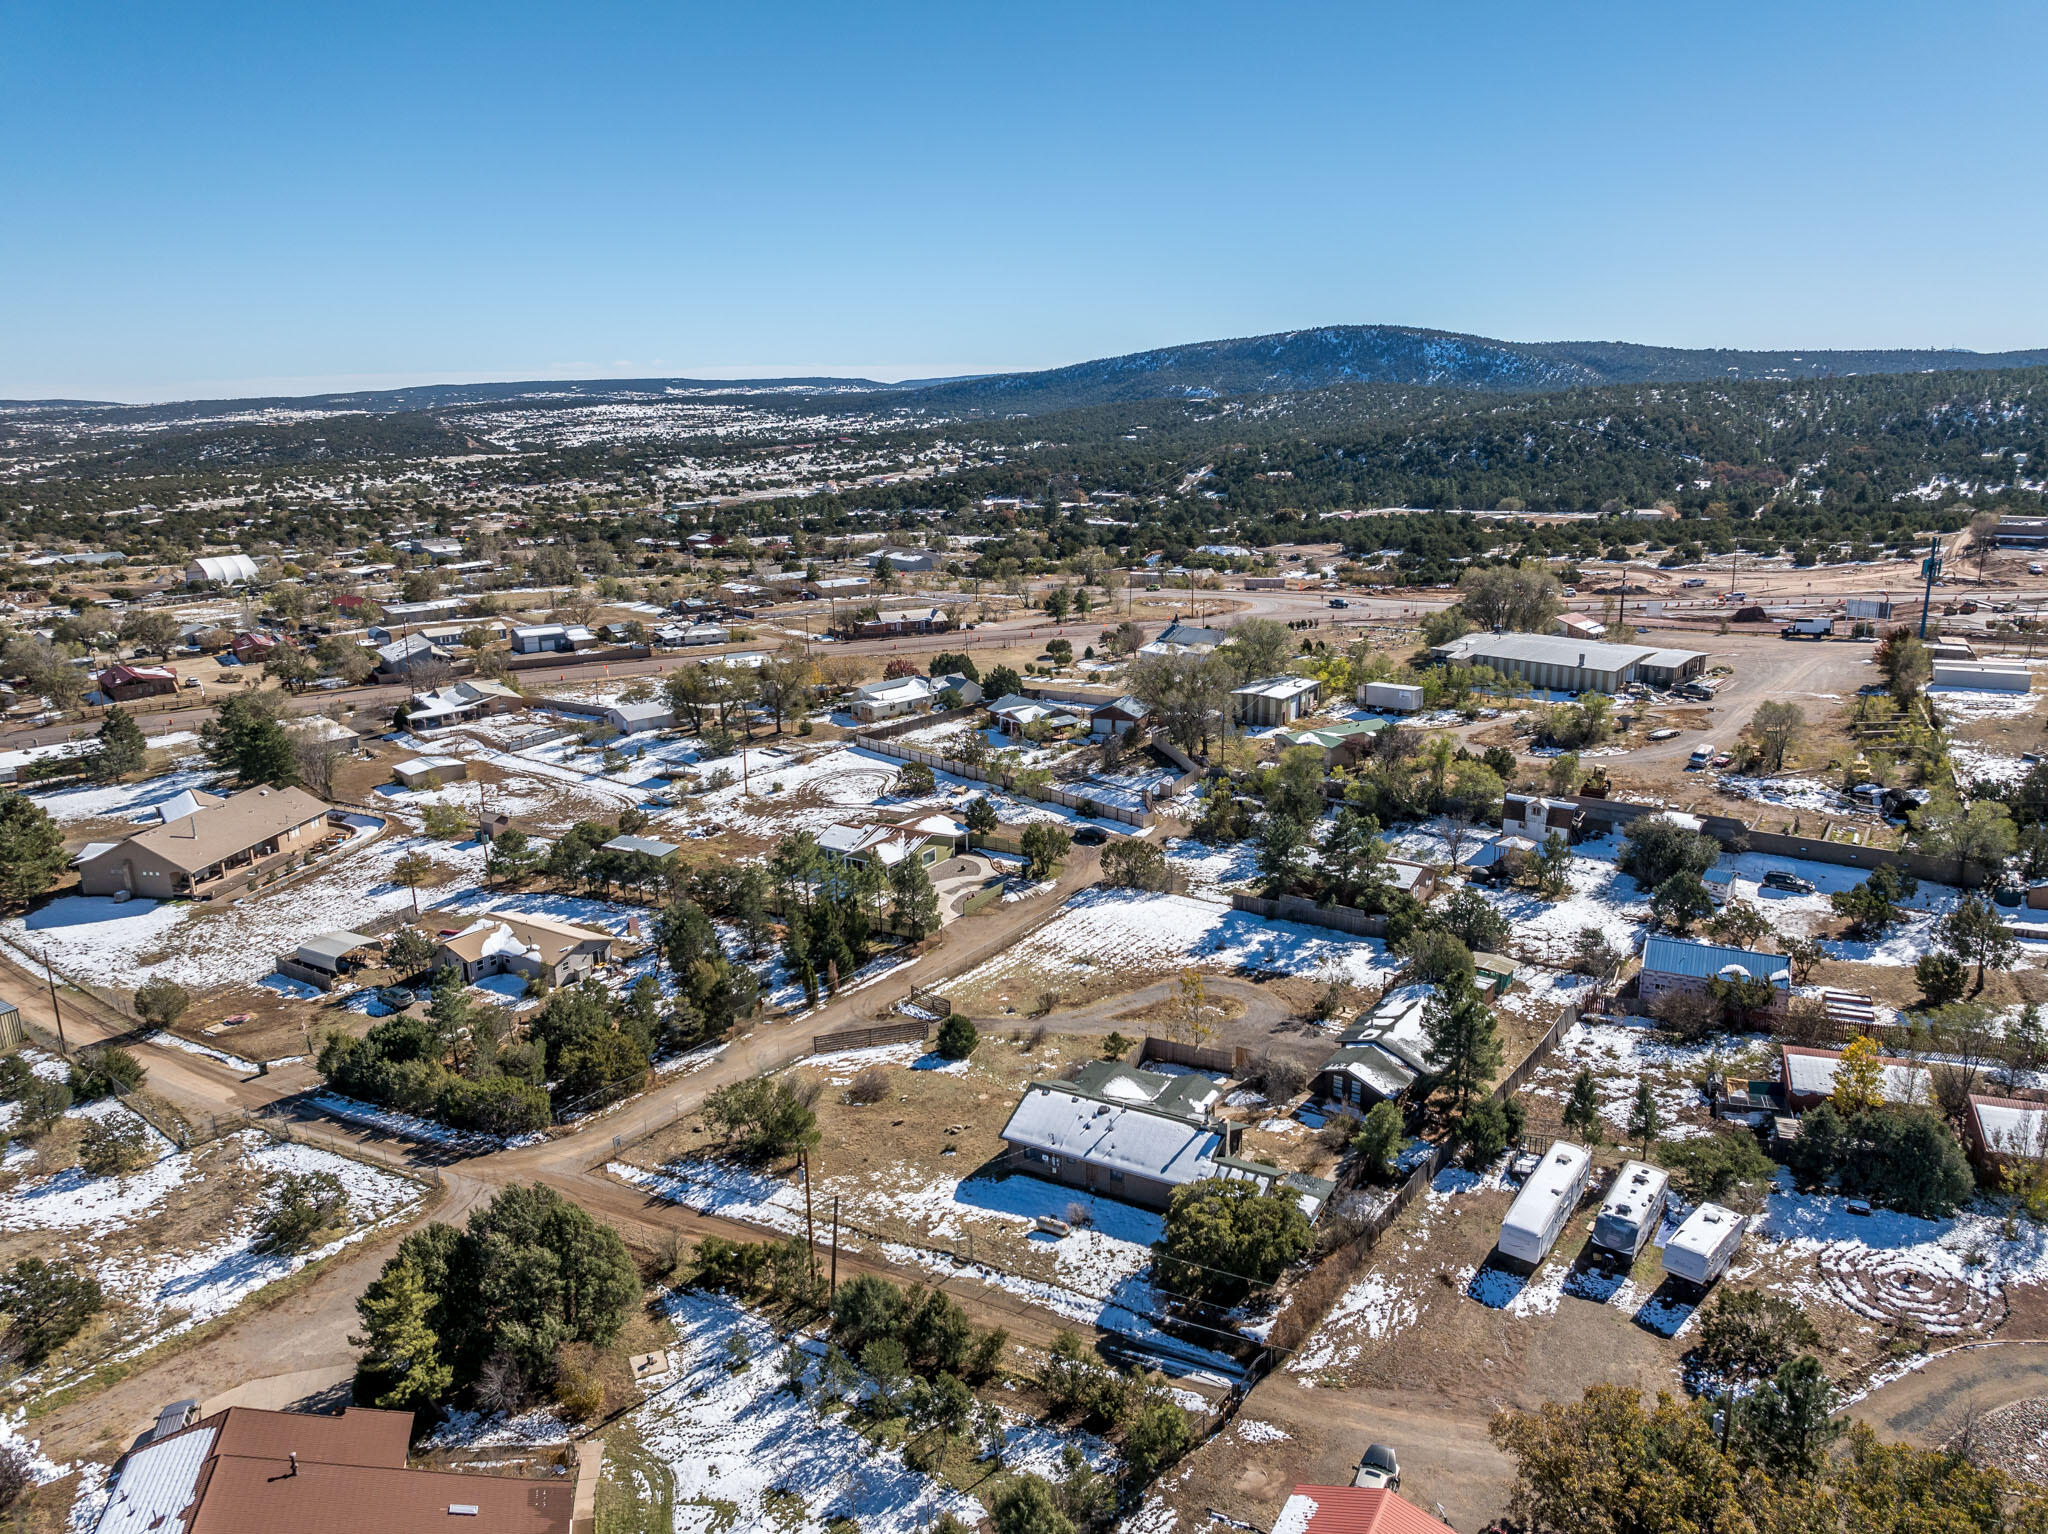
(460, 702)
(705, 633)
(124, 684)
(1179, 638)
(194, 855)
(1015, 713)
(253, 647)
(415, 652)
(1676, 964)
(2001, 1129)
(1137, 1135)
(1534, 816)
(1275, 699)
(838, 585)
(904, 620)
(892, 698)
(550, 638)
(500, 944)
(1808, 1075)
(1341, 744)
(956, 682)
(187, 801)
(1353, 1510)
(244, 1470)
(926, 836)
(1417, 879)
(906, 560)
(430, 771)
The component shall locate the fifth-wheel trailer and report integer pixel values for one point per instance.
(1538, 1215)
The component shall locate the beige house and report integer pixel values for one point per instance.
(197, 853)
(502, 944)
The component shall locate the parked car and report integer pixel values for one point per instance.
(1339, 602)
(396, 997)
(1571, 591)
(1723, 760)
(1695, 581)
(1792, 884)
(1378, 1470)
(1703, 757)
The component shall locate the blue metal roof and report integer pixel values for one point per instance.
(1703, 961)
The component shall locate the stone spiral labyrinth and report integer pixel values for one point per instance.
(1889, 1288)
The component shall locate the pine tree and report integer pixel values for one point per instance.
(1464, 1049)
(118, 747)
(1645, 1118)
(1582, 1109)
(32, 855)
(401, 1365)
(916, 902)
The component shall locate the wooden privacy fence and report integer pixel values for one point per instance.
(866, 1038)
(1081, 803)
(1194, 1056)
(1294, 908)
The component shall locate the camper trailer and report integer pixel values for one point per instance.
(1700, 1250)
(1538, 1215)
(1632, 1209)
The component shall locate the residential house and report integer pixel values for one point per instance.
(439, 550)
(195, 855)
(925, 836)
(1179, 638)
(1276, 699)
(957, 682)
(642, 846)
(1015, 713)
(1535, 817)
(125, 684)
(1578, 626)
(1408, 878)
(407, 657)
(502, 944)
(838, 586)
(1138, 1135)
(1342, 744)
(1353, 1510)
(253, 647)
(1808, 1077)
(903, 620)
(1379, 1057)
(2000, 1130)
(244, 1471)
(892, 698)
(635, 718)
(459, 703)
(551, 638)
(907, 561)
(1676, 964)
(187, 801)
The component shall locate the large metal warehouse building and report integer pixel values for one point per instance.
(1572, 665)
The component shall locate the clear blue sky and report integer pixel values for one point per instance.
(210, 199)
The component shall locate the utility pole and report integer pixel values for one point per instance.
(1931, 567)
(63, 1045)
(810, 1232)
(835, 1246)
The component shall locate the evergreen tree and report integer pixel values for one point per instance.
(118, 748)
(1464, 1049)
(401, 1368)
(916, 903)
(1582, 1109)
(1645, 1118)
(32, 855)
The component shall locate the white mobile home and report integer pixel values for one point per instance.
(1632, 1210)
(1700, 1250)
(1394, 697)
(1538, 1215)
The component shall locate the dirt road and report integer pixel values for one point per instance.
(1928, 1406)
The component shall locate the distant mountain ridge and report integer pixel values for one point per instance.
(1288, 362)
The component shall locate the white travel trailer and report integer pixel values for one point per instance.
(1630, 1213)
(1537, 1217)
(1700, 1250)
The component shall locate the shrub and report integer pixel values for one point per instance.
(1942, 977)
(915, 781)
(867, 1308)
(869, 1087)
(762, 1117)
(1133, 864)
(1472, 921)
(15, 1075)
(1222, 1237)
(15, 1476)
(1378, 1137)
(110, 1149)
(42, 1104)
(46, 1306)
(957, 1037)
(1434, 956)
(1713, 1167)
(1654, 848)
(301, 1206)
(160, 1002)
(1489, 1127)
(1901, 1157)
(103, 1070)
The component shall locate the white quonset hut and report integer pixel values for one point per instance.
(1538, 1215)
(1700, 1250)
(221, 570)
(1632, 1210)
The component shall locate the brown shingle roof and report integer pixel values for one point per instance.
(198, 841)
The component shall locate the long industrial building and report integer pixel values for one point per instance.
(1572, 665)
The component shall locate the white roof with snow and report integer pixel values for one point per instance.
(2012, 1130)
(156, 1485)
(1139, 1139)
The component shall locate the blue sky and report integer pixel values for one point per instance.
(212, 199)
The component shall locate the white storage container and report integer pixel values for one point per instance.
(1700, 1250)
(1630, 1213)
(1394, 697)
(1537, 1217)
